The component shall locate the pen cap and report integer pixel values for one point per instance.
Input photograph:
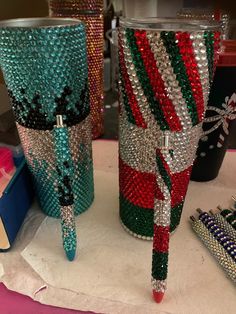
(6, 160)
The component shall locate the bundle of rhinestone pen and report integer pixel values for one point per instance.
(223, 224)
(215, 247)
(219, 234)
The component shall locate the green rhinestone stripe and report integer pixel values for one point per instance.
(165, 176)
(127, 107)
(159, 262)
(173, 51)
(209, 42)
(175, 216)
(140, 220)
(135, 218)
(144, 80)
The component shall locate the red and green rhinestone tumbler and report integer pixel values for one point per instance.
(90, 12)
(166, 69)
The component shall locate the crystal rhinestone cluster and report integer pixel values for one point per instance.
(217, 250)
(91, 13)
(45, 69)
(163, 91)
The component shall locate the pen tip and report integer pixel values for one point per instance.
(70, 255)
(158, 296)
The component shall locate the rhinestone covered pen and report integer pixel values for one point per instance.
(215, 248)
(65, 171)
(219, 234)
(223, 224)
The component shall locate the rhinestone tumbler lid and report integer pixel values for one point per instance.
(39, 22)
(81, 6)
(169, 24)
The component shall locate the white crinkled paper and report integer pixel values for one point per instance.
(111, 273)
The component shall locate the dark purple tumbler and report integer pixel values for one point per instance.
(220, 113)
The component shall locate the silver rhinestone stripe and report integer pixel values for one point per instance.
(159, 285)
(161, 212)
(215, 248)
(136, 86)
(169, 78)
(138, 147)
(184, 145)
(223, 224)
(80, 134)
(199, 49)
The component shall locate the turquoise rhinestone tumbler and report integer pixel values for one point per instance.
(44, 63)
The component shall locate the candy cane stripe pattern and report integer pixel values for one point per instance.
(163, 90)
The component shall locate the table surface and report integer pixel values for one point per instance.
(12, 302)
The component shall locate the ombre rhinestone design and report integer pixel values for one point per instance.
(91, 13)
(45, 69)
(66, 195)
(163, 87)
(38, 149)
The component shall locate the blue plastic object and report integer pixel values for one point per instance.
(14, 203)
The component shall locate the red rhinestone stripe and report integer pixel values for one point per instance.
(188, 57)
(161, 239)
(137, 187)
(129, 91)
(180, 183)
(156, 81)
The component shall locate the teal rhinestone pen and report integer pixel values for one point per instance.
(64, 187)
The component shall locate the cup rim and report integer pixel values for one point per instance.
(170, 24)
(39, 22)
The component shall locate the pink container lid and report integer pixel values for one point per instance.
(6, 160)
